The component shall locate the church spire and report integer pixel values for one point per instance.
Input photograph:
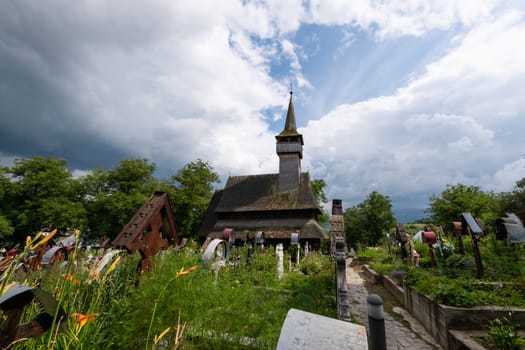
(290, 151)
(289, 125)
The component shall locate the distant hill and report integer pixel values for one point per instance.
(408, 215)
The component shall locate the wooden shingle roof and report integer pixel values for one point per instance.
(261, 193)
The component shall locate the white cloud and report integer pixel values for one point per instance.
(347, 40)
(266, 19)
(444, 127)
(393, 18)
(484, 68)
(505, 178)
(289, 50)
(174, 81)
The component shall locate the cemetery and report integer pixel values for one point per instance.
(260, 272)
(149, 289)
(187, 299)
(459, 296)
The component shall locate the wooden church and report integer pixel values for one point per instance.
(273, 206)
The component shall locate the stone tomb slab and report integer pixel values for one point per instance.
(305, 331)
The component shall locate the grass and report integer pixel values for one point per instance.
(174, 306)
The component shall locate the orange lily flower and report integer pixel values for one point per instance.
(82, 319)
(183, 272)
(71, 278)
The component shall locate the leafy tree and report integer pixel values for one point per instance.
(6, 231)
(93, 183)
(132, 175)
(63, 214)
(190, 194)
(366, 223)
(514, 201)
(109, 214)
(5, 183)
(41, 188)
(318, 186)
(41, 177)
(112, 197)
(459, 198)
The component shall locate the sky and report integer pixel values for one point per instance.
(399, 97)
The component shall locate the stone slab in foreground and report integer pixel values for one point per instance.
(305, 331)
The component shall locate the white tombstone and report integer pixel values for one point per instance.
(280, 256)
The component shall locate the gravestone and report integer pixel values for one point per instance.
(280, 256)
(308, 331)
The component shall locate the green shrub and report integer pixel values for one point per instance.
(264, 262)
(373, 253)
(314, 263)
(454, 280)
(503, 334)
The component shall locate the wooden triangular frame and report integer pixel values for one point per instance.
(151, 229)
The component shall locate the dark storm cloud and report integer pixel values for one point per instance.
(34, 113)
(43, 52)
(94, 82)
(97, 81)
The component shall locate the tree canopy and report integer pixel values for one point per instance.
(367, 223)
(514, 201)
(40, 192)
(456, 199)
(191, 189)
(113, 196)
(318, 186)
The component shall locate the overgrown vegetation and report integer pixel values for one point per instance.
(179, 304)
(453, 282)
(502, 335)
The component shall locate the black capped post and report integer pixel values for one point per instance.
(376, 322)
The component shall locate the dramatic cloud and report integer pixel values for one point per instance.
(393, 18)
(398, 97)
(459, 122)
(103, 82)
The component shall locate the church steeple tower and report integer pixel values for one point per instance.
(290, 151)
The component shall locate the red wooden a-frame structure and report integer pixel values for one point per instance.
(151, 229)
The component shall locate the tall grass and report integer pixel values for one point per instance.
(172, 307)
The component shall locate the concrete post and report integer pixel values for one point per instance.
(376, 322)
